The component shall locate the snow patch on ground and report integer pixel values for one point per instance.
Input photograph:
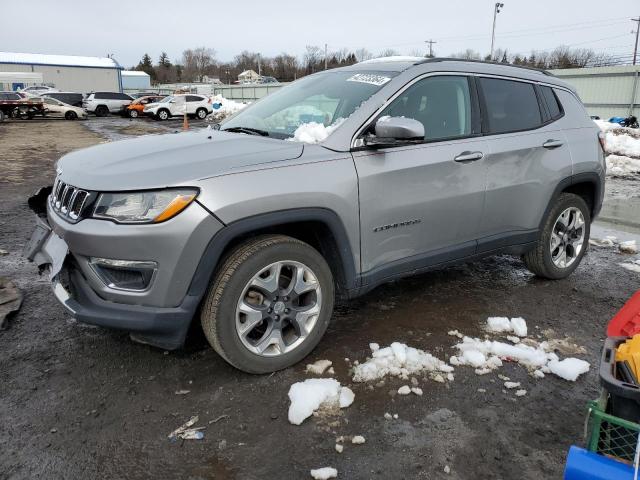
(306, 397)
(503, 325)
(318, 367)
(633, 266)
(628, 247)
(397, 360)
(569, 368)
(324, 473)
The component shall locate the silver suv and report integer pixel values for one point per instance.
(327, 188)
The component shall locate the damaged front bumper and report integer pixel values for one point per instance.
(54, 248)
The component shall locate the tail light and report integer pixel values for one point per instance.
(603, 141)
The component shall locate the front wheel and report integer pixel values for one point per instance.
(269, 304)
(70, 115)
(564, 239)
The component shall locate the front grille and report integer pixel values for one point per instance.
(68, 201)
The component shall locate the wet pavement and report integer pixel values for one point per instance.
(79, 401)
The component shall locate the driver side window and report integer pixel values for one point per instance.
(442, 104)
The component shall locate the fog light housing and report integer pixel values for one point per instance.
(129, 275)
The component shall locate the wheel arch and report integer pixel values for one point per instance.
(319, 227)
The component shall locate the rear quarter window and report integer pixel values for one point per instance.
(552, 102)
(509, 105)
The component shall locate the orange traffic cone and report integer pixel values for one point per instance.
(185, 122)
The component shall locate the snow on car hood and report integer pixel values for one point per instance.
(156, 161)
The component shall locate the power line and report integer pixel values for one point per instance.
(430, 42)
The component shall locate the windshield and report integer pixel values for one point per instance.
(326, 98)
(166, 99)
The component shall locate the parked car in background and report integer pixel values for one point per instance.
(70, 98)
(145, 94)
(56, 108)
(423, 163)
(39, 89)
(104, 103)
(174, 105)
(266, 79)
(137, 106)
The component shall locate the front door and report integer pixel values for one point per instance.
(421, 204)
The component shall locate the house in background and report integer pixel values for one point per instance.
(248, 76)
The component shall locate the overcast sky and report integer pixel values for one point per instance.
(128, 29)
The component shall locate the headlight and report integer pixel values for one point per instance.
(143, 207)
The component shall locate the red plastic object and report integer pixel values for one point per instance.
(626, 322)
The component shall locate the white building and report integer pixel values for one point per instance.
(135, 80)
(248, 76)
(67, 73)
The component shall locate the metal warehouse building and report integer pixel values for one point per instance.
(135, 80)
(606, 91)
(67, 73)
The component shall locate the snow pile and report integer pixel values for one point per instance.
(504, 325)
(314, 132)
(397, 360)
(569, 368)
(622, 148)
(324, 473)
(628, 247)
(306, 397)
(225, 109)
(487, 355)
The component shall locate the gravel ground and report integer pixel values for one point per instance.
(79, 401)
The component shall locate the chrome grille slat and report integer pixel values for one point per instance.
(67, 200)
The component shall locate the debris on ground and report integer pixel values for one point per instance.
(521, 393)
(217, 419)
(182, 392)
(404, 390)
(511, 385)
(318, 367)
(447, 469)
(387, 416)
(10, 300)
(308, 396)
(339, 448)
(358, 440)
(185, 431)
(324, 473)
(517, 325)
(569, 368)
(397, 360)
(3, 252)
(417, 391)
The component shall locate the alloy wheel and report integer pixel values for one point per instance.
(278, 308)
(567, 237)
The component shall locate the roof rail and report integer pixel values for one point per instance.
(452, 59)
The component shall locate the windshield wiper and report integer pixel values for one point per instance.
(248, 130)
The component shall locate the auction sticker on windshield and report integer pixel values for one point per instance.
(369, 78)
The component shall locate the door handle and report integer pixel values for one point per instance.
(552, 144)
(468, 157)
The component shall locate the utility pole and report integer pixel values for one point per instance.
(430, 42)
(259, 66)
(326, 47)
(635, 49)
(496, 11)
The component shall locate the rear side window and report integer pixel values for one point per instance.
(121, 96)
(510, 106)
(194, 98)
(100, 96)
(553, 105)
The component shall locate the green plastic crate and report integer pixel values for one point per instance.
(610, 436)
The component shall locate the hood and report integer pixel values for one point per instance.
(157, 161)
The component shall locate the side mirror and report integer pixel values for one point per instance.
(395, 131)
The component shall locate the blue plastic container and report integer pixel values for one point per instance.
(585, 465)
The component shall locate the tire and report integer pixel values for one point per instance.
(201, 113)
(1, 116)
(163, 114)
(70, 115)
(545, 260)
(133, 113)
(222, 318)
(102, 111)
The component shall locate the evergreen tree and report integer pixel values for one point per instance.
(146, 65)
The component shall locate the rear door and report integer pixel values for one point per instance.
(421, 204)
(528, 156)
(193, 102)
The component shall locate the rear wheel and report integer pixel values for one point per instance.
(269, 305)
(163, 114)
(201, 113)
(102, 111)
(564, 239)
(71, 115)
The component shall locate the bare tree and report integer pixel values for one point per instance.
(468, 54)
(197, 62)
(363, 54)
(388, 52)
(312, 57)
